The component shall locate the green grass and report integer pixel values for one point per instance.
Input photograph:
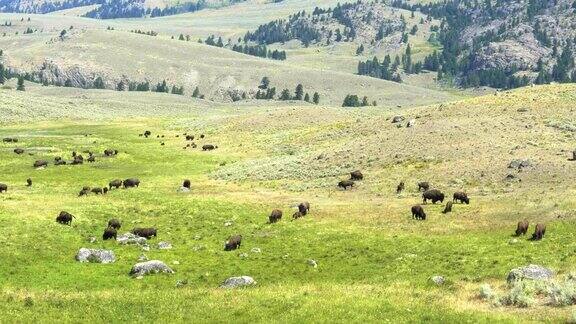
(374, 262)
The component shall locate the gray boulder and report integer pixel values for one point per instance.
(237, 282)
(129, 238)
(531, 272)
(95, 256)
(411, 123)
(398, 119)
(150, 267)
(164, 246)
(438, 280)
(520, 164)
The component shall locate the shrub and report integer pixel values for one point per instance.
(518, 296)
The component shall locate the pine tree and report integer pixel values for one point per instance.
(285, 95)
(299, 93)
(120, 86)
(316, 98)
(196, 92)
(68, 83)
(99, 83)
(264, 83)
(307, 97)
(20, 86)
(365, 102)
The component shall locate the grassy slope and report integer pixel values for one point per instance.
(374, 263)
(114, 54)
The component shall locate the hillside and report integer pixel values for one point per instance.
(221, 74)
(371, 261)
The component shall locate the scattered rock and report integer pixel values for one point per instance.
(228, 223)
(411, 123)
(175, 262)
(181, 283)
(520, 164)
(243, 255)
(95, 256)
(92, 240)
(237, 282)
(438, 280)
(164, 245)
(256, 250)
(532, 272)
(149, 267)
(142, 258)
(129, 238)
(312, 263)
(397, 119)
(183, 189)
(513, 241)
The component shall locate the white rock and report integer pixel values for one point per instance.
(236, 282)
(95, 255)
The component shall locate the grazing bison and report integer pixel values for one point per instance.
(97, 191)
(60, 162)
(114, 223)
(209, 147)
(233, 243)
(433, 194)
(104, 190)
(29, 182)
(522, 228)
(3, 187)
(304, 208)
(109, 233)
(189, 137)
(78, 159)
(18, 151)
(145, 232)
(418, 212)
(10, 140)
(297, 215)
(116, 183)
(91, 159)
(202, 136)
(462, 197)
(40, 163)
(345, 184)
(448, 208)
(423, 186)
(400, 187)
(131, 183)
(275, 216)
(186, 184)
(84, 192)
(65, 218)
(539, 232)
(147, 133)
(356, 175)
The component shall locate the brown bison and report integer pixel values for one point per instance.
(448, 208)
(462, 197)
(186, 184)
(10, 140)
(29, 182)
(110, 152)
(40, 163)
(423, 186)
(65, 218)
(114, 223)
(209, 147)
(116, 183)
(109, 233)
(233, 243)
(418, 212)
(400, 187)
(189, 137)
(356, 175)
(202, 136)
(97, 191)
(275, 216)
(91, 159)
(297, 215)
(304, 208)
(18, 151)
(539, 232)
(147, 133)
(60, 162)
(145, 232)
(84, 192)
(131, 183)
(345, 184)
(78, 159)
(522, 228)
(433, 194)
(3, 187)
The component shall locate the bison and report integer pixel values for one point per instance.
(29, 182)
(84, 192)
(418, 212)
(186, 184)
(356, 175)
(433, 194)
(97, 191)
(116, 183)
(3, 187)
(60, 162)
(18, 151)
(145, 232)
(448, 208)
(345, 184)
(131, 183)
(304, 208)
(539, 232)
(462, 197)
(233, 243)
(209, 147)
(109, 233)
(275, 216)
(189, 137)
(91, 159)
(40, 163)
(297, 215)
(10, 140)
(522, 228)
(400, 187)
(65, 218)
(423, 186)
(114, 223)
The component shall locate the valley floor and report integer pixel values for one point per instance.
(374, 263)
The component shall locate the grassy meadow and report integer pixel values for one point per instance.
(374, 263)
